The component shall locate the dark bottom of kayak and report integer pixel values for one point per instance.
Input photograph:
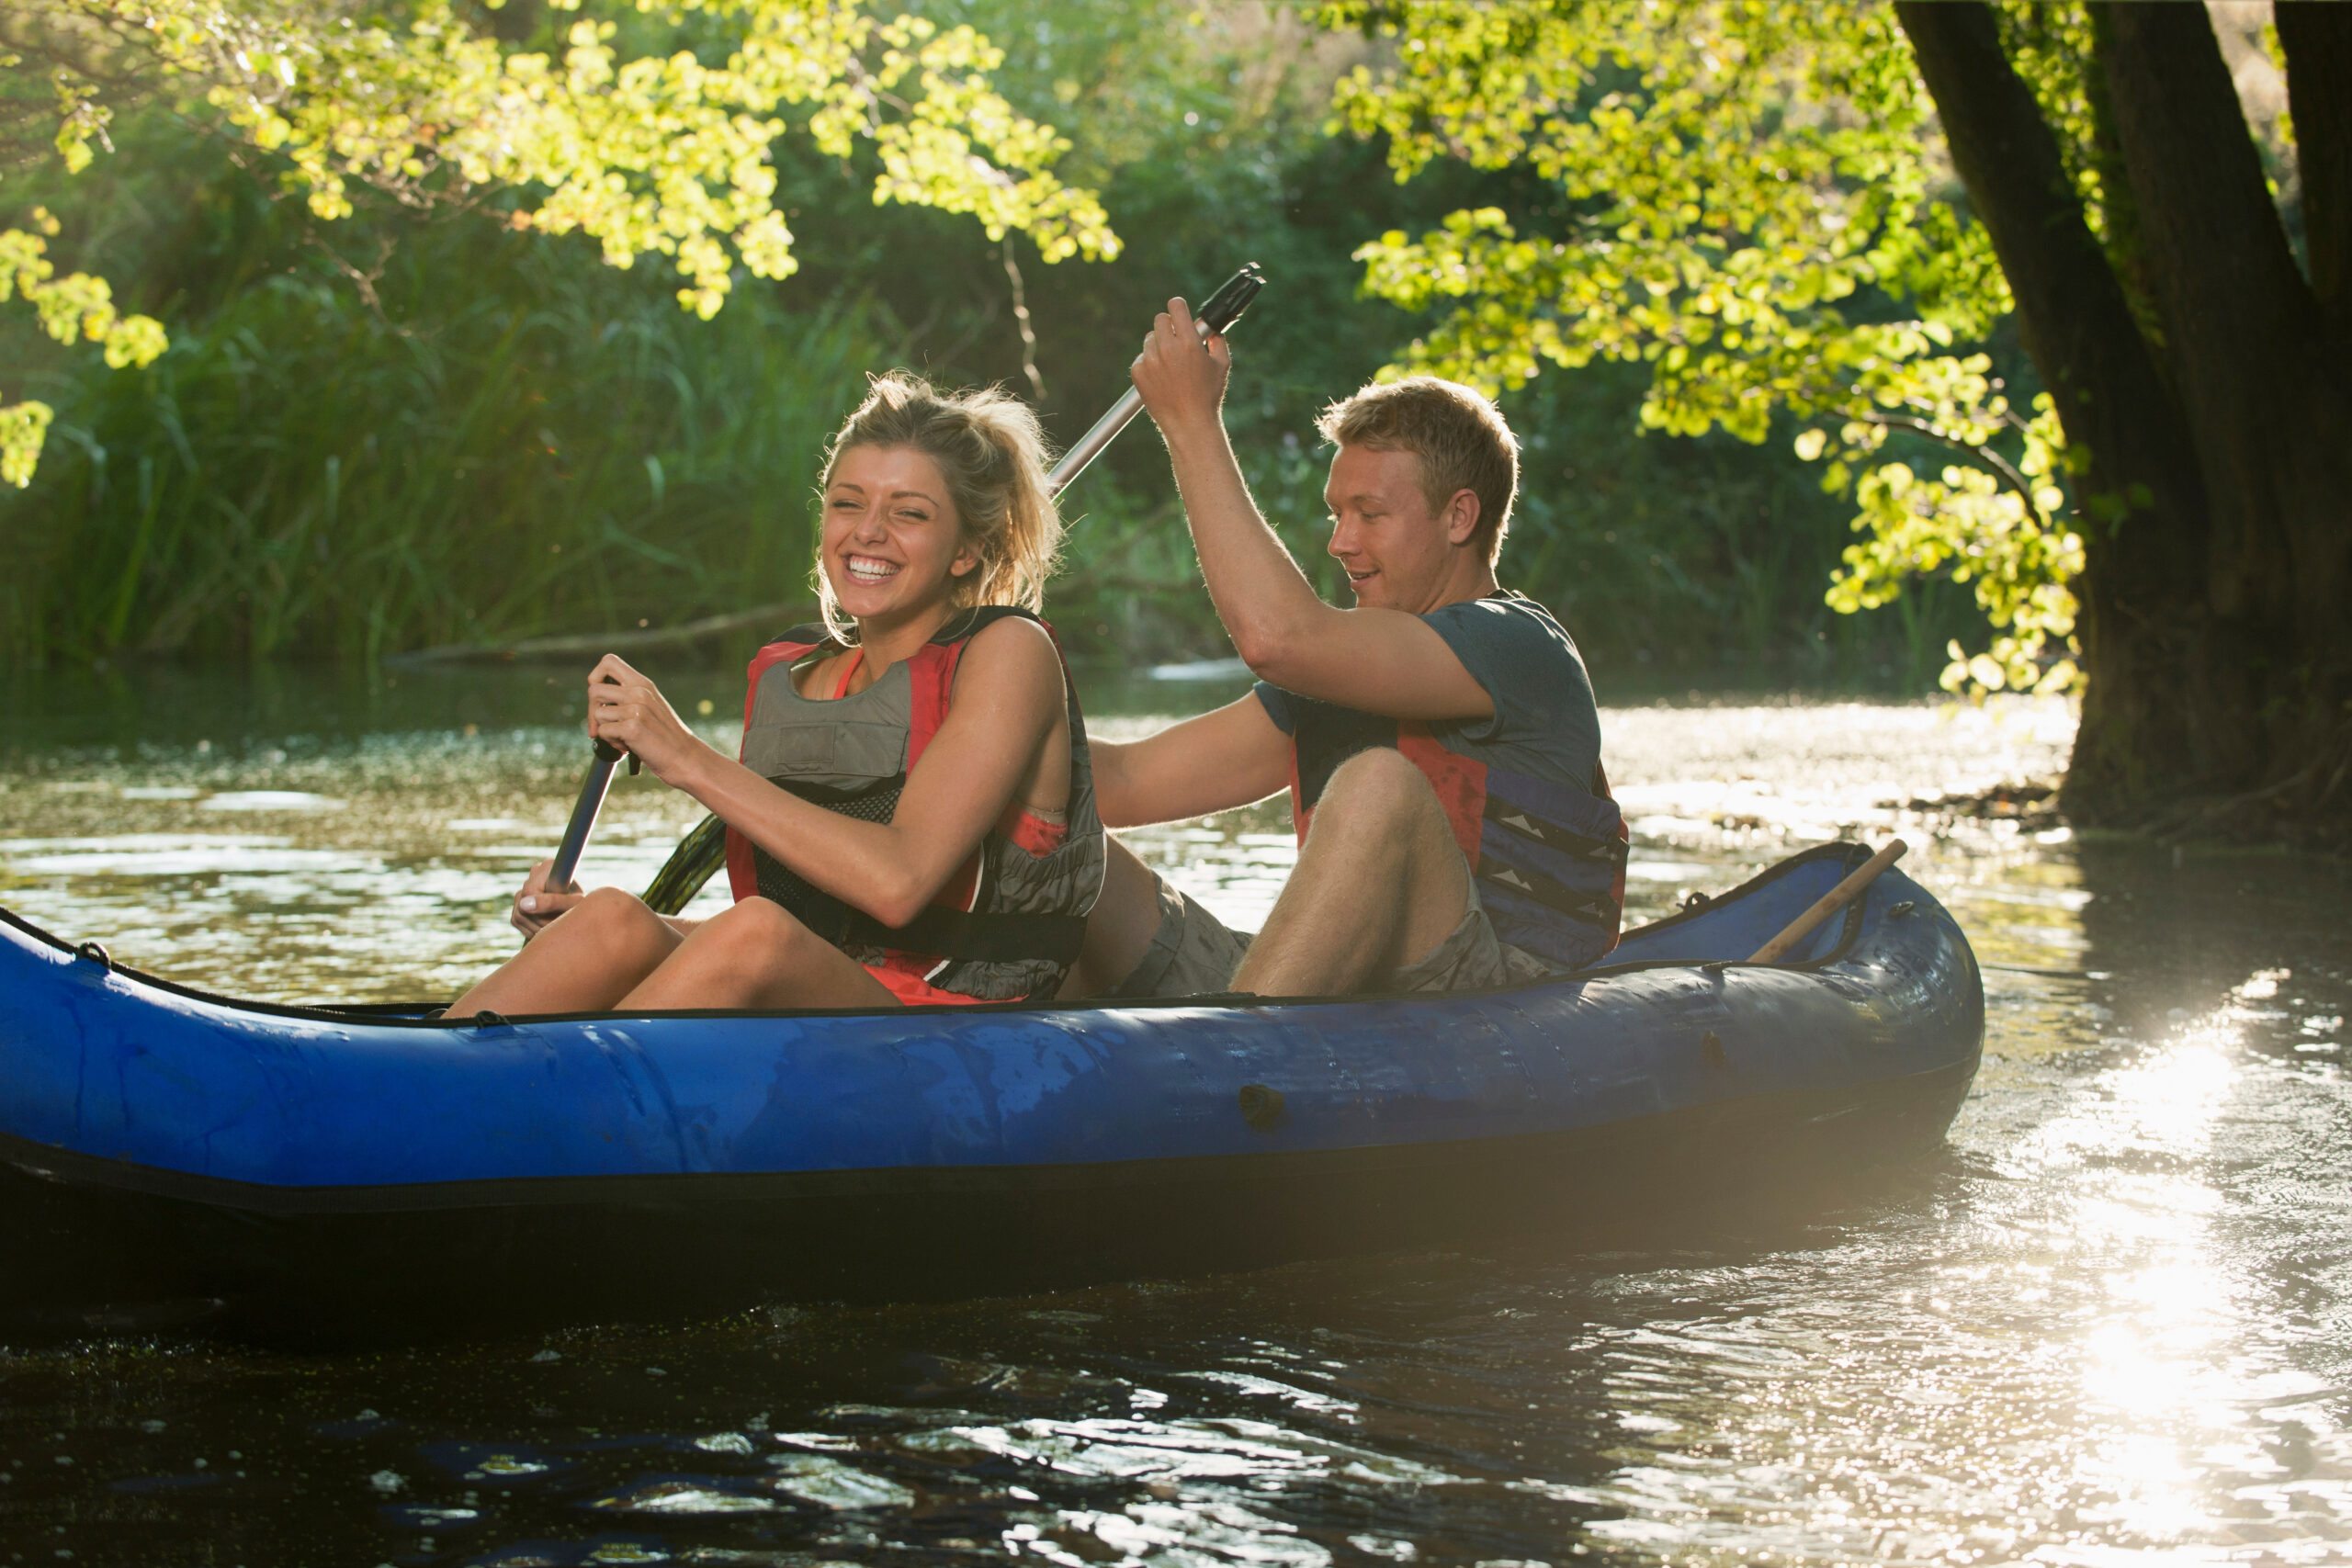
(94, 1245)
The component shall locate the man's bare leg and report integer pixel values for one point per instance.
(586, 960)
(757, 954)
(1119, 928)
(1380, 883)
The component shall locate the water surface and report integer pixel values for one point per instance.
(2111, 1320)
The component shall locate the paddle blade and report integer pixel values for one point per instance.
(695, 860)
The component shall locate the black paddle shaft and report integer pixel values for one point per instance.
(592, 788)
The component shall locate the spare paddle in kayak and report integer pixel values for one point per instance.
(1829, 903)
(700, 854)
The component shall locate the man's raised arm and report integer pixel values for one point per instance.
(1375, 658)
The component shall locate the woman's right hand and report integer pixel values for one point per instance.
(535, 906)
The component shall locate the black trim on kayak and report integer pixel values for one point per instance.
(408, 1015)
(75, 1170)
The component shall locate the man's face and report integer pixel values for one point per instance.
(1397, 551)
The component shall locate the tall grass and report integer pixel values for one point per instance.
(517, 439)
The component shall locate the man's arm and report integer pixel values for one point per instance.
(1378, 660)
(1221, 759)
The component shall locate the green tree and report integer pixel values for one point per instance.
(1749, 198)
(662, 149)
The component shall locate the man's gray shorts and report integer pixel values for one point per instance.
(1193, 954)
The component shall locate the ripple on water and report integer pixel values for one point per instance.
(2111, 1321)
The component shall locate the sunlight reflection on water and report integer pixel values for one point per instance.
(380, 869)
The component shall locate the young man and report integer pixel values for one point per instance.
(1440, 739)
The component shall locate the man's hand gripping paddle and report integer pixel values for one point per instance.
(1220, 311)
(704, 850)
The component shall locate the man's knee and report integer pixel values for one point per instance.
(1379, 808)
(1377, 791)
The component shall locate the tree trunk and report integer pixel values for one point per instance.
(2141, 580)
(2318, 41)
(2213, 625)
(2262, 376)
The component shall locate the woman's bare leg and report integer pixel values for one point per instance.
(1119, 929)
(757, 955)
(586, 960)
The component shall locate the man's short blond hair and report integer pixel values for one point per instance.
(1459, 436)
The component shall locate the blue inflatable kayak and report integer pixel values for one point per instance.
(329, 1163)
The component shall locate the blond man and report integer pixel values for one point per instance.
(1439, 738)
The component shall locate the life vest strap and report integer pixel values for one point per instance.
(942, 932)
(1590, 908)
(1527, 824)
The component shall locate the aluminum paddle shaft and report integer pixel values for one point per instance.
(592, 789)
(1216, 314)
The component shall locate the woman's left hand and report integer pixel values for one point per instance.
(629, 710)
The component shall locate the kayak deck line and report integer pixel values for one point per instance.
(414, 1014)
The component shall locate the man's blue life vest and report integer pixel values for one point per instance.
(1549, 857)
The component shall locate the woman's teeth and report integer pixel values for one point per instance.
(866, 569)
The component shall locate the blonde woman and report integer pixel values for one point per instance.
(912, 818)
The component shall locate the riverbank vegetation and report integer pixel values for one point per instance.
(403, 429)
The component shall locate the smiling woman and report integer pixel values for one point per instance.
(912, 817)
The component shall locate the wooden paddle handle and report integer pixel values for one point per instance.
(1830, 903)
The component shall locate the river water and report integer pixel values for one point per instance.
(2113, 1319)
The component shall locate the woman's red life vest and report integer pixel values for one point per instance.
(1009, 922)
(1549, 857)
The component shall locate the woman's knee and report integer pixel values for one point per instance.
(753, 928)
(619, 922)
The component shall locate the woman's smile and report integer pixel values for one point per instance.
(892, 543)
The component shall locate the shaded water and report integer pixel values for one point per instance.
(2110, 1319)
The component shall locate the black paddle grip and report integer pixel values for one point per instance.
(1224, 308)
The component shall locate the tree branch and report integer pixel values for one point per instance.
(2072, 311)
(1021, 320)
(2001, 466)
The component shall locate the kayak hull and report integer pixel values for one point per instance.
(328, 1168)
